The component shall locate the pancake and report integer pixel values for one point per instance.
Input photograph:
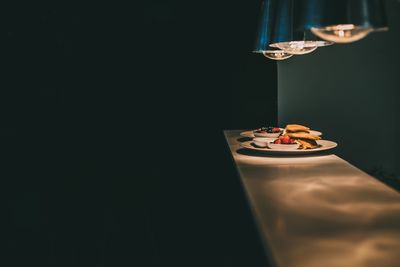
(307, 144)
(303, 135)
(296, 128)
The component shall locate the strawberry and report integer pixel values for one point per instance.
(285, 139)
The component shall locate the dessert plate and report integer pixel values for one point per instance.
(323, 146)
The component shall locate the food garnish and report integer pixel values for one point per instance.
(268, 130)
(284, 140)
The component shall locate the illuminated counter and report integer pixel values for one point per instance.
(319, 210)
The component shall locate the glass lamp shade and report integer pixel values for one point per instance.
(341, 21)
(300, 47)
(341, 33)
(296, 47)
(276, 54)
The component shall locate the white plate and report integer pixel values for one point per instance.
(324, 145)
(250, 133)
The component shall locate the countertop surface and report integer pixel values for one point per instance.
(318, 210)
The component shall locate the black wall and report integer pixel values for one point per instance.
(111, 126)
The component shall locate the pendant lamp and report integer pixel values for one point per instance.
(278, 30)
(341, 21)
(288, 36)
(265, 34)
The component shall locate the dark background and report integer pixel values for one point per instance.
(111, 132)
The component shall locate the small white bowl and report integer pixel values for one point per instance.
(269, 135)
(283, 146)
(262, 141)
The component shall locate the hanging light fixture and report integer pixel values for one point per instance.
(342, 21)
(288, 36)
(278, 38)
(265, 33)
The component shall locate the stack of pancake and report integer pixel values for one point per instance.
(302, 135)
